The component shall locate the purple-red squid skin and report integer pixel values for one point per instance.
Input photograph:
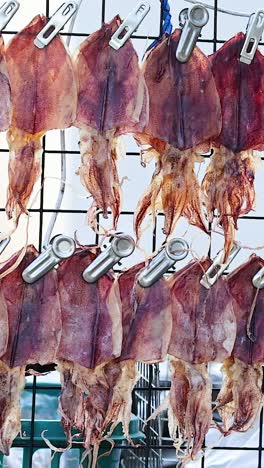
(184, 116)
(145, 312)
(91, 341)
(34, 331)
(184, 105)
(241, 399)
(203, 330)
(97, 314)
(249, 344)
(240, 88)
(205, 333)
(229, 180)
(34, 315)
(44, 97)
(112, 100)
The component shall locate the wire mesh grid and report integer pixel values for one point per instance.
(149, 392)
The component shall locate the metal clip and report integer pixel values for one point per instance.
(217, 268)
(258, 280)
(192, 20)
(129, 25)
(3, 244)
(60, 248)
(56, 23)
(121, 246)
(175, 250)
(7, 11)
(255, 29)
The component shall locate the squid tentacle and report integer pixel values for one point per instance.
(229, 186)
(98, 171)
(174, 189)
(240, 399)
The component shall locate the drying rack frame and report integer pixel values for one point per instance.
(148, 389)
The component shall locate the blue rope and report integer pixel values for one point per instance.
(166, 17)
(166, 21)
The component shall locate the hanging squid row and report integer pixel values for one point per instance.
(97, 333)
(175, 111)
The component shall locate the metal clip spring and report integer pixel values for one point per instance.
(217, 268)
(55, 24)
(192, 20)
(175, 250)
(121, 246)
(129, 25)
(60, 248)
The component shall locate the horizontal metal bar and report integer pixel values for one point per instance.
(127, 213)
(60, 444)
(128, 153)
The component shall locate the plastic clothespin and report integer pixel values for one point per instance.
(258, 280)
(129, 25)
(175, 250)
(217, 268)
(60, 248)
(255, 29)
(121, 246)
(192, 21)
(7, 11)
(3, 244)
(56, 23)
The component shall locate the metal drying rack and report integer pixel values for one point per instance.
(147, 394)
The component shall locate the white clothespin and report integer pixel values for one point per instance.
(60, 248)
(176, 250)
(255, 29)
(129, 25)
(192, 21)
(217, 268)
(121, 246)
(7, 11)
(3, 244)
(258, 280)
(56, 23)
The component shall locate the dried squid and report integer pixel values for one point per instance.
(91, 340)
(184, 114)
(112, 101)
(203, 330)
(146, 322)
(240, 399)
(33, 335)
(229, 180)
(44, 97)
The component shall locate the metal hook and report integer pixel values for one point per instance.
(7, 11)
(217, 268)
(175, 250)
(56, 23)
(3, 244)
(60, 248)
(129, 25)
(258, 280)
(255, 29)
(121, 246)
(192, 20)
